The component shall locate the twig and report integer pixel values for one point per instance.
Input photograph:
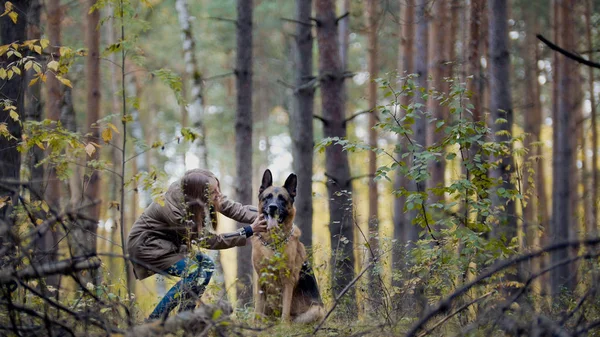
(445, 304)
(428, 331)
(343, 292)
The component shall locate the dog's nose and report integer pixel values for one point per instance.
(272, 208)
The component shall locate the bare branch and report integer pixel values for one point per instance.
(297, 21)
(223, 19)
(64, 267)
(219, 76)
(568, 53)
(347, 120)
(341, 17)
(322, 119)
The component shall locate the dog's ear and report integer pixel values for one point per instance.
(267, 180)
(290, 185)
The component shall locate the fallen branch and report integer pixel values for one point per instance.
(197, 322)
(445, 304)
(64, 267)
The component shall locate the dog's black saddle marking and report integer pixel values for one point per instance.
(307, 284)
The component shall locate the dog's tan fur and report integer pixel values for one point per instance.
(279, 292)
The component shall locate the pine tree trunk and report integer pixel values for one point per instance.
(243, 140)
(592, 223)
(87, 235)
(10, 158)
(437, 65)
(374, 277)
(337, 168)
(474, 56)
(563, 155)
(501, 107)
(301, 124)
(403, 229)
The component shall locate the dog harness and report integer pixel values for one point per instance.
(271, 245)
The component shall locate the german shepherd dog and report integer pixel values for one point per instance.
(286, 284)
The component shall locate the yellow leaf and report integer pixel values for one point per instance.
(37, 49)
(4, 49)
(39, 221)
(53, 65)
(90, 149)
(44, 43)
(40, 145)
(13, 16)
(44, 77)
(16, 70)
(34, 81)
(112, 126)
(8, 6)
(2, 73)
(3, 201)
(4, 129)
(28, 65)
(10, 74)
(37, 68)
(14, 115)
(45, 207)
(64, 81)
(107, 135)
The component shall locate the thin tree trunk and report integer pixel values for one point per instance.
(243, 140)
(404, 231)
(301, 124)
(592, 229)
(372, 24)
(474, 56)
(53, 192)
(563, 156)
(196, 111)
(92, 181)
(339, 184)
(438, 35)
(501, 107)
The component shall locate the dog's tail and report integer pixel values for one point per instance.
(313, 314)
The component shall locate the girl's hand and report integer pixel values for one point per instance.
(259, 224)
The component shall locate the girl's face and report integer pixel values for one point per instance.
(214, 193)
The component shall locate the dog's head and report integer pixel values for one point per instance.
(277, 203)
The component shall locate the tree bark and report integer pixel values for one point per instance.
(563, 155)
(301, 124)
(243, 140)
(196, 111)
(339, 185)
(474, 57)
(592, 229)
(403, 230)
(13, 89)
(86, 236)
(437, 65)
(501, 107)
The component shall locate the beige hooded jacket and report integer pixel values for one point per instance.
(160, 236)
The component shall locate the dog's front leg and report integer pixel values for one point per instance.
(288, 292)
(259, 306)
